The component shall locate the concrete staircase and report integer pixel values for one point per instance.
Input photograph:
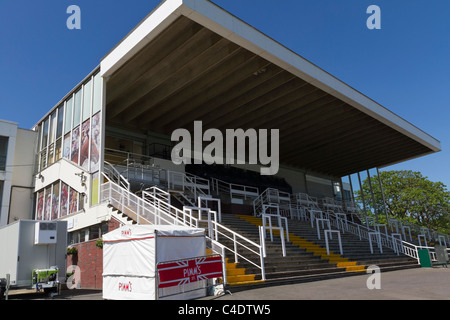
(306, 257)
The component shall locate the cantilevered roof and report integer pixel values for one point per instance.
(191, 60)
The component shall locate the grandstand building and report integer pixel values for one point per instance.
(104, 152)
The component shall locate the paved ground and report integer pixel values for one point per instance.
(413, 284)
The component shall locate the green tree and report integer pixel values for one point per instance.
(409, 196)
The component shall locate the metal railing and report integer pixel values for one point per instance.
(374, 236)
(137, 208)
(112, 173)
(189, 186)
(272, 196)
(235, 191)
(153, 208)
(242, 247)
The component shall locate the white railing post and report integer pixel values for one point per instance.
(424, 238)
(262, 252)
(210, 228)
(235, 248)
(378, 237)
(138, 211)
(323, 226)
(283, 245)
(396, 242)
(109, 191)
(224, 266)
(329, 232)
(262, 241)
(409, 231)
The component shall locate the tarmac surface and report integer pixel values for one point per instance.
(410, 284)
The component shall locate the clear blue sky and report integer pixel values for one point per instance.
(405, 66)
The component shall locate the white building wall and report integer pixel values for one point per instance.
(7, 129)
(21, 204)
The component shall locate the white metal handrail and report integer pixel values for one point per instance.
(271, 196)
(203, 202)
(131, 204)
(241, 243)
(280, 219)
(159, 193)
(234, 190)
(389, 241)
(154, 210)
(110, 172)
(190, 185)
(306, 200)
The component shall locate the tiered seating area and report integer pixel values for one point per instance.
(311, 230)
(306, 257)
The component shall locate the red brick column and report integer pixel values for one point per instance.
(90, 261)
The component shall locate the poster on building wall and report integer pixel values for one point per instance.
(75, 145)
(40, 205)
(95, 141)
(84, 150)
(73, 201)
(48, 203)
(64, 198)
(55, 202)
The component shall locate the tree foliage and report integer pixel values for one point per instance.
(409, 196)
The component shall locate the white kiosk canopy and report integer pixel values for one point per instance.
(132, 252)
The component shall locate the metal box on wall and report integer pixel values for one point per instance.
(45, 233)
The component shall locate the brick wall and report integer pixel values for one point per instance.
(90, 261)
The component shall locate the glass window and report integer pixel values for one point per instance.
(82, 236)
(98, 92)
(1, 192)
(59, 127)
(87, 98)
(94, 232)
(68, 117)
(104, 228)
(3, 151)
(45, 134)
(43, 160)
(52, 129)
(77, 109)
(58, 149)
(74, 237)
(51, 150)
(82, 199)
(39, 136)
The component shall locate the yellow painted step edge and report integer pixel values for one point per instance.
(245, 282)
(341, 262)
(242, 278)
